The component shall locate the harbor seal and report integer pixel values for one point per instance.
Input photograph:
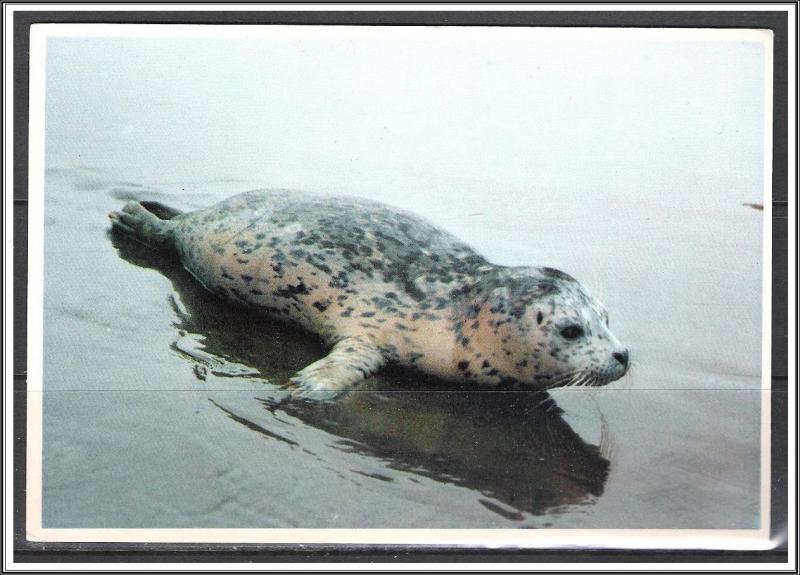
(381, 285)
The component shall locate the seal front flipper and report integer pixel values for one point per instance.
(349, 361)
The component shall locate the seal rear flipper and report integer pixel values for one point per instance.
(162, 211)
(144, 225)
(349, 361)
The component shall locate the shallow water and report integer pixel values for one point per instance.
(163, 405)
(164, 409)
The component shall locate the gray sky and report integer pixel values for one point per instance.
(349, 114)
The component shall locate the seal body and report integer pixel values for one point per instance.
(382, 285)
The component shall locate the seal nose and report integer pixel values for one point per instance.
(622, 357)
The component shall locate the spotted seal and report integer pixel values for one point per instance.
(381, 285)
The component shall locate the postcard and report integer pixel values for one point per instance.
(426, 285)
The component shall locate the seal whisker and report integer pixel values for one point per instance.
(581, 381)
(573, 379)
(569, 379)
(562, 380)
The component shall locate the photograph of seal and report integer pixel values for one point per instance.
(380, 285)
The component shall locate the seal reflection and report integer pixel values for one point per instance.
(511, 446)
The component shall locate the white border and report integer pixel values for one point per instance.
(753, 540)
(672, 539)
(766, 292)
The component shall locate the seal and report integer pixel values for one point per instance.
(380, 285)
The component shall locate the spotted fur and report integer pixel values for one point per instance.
(382, 285)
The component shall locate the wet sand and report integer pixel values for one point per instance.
(161, 410)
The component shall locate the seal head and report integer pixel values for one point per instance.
(546, 330)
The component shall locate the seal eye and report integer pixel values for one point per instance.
(572, 332)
